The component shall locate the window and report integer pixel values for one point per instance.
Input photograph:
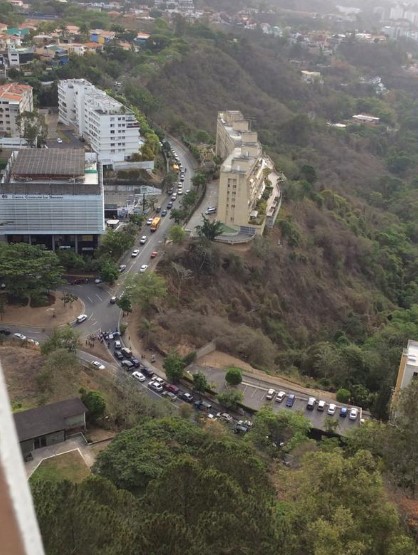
(112, 132)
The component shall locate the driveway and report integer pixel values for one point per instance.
(210, 199)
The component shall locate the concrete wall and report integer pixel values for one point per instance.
(206, 350)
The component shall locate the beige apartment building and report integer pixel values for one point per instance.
(14, 100)
(408, 367)
(242, 175)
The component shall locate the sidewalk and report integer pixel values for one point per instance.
(76, 443)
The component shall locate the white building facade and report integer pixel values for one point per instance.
(108, 126)
(15, 99)
(53, 197)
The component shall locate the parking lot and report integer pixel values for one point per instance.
(255, 398)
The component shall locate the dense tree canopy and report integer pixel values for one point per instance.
(28, 270)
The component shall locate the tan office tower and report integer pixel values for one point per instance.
(19, 532)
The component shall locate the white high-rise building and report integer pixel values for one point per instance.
(108, 126)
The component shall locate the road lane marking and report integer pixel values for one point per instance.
(99, 297)
(90, 300)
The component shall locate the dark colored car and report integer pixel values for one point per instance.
(135, 362)
(169, 205)
(146, 371)
(119, 355)
(172, 388)
(290, 400)
(164, 213)
(127, 353)
(343, 412)
(187, 397)
(240, 429)
(5, 331)
(202, 405)
(127, 364)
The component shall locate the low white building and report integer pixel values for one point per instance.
(52, 197)
(15, 99)
(110, 128)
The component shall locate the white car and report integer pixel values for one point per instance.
(20, 336)
(156, 386)
(98, 365)
(143, 268)
(149, 221)
(97, 281)
(179, 191)
(81, 318)
(280, 396)
(122, 267)
(158, 380)
(321, 406)
(59, 140)
(135, 253)
(210, 210)
(117, 344)
(331, 409)
(270, 394)
(143, 240)
(353, 414)
(140, 377)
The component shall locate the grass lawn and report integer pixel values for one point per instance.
(69, 466)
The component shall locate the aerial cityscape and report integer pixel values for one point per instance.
(208, 277)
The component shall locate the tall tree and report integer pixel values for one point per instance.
(92, 517)
(209, 230)
(174, 367)
(64, 337)
(29, 270)
(144, 289)
(33, 128)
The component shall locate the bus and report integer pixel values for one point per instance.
(155, 224)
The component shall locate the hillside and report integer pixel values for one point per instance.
(348, 230)
(346, 258)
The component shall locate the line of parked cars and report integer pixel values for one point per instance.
(320, 404)
(172, 392)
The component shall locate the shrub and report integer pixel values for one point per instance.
(343, 395)
(233, 376)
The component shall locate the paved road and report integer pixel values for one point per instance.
(105, 316)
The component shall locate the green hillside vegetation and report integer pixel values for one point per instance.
(170, 487)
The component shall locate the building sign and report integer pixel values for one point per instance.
(32, 197)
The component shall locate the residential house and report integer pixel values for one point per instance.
(49, 424)
(101, 36)
(365, 119)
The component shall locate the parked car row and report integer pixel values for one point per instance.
(312, 403)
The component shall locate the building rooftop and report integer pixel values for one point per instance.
(53, 162)
(13, 91)
(47, 419)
